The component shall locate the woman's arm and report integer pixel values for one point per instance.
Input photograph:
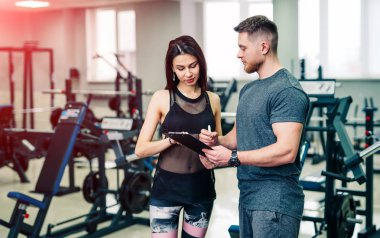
(158, 106)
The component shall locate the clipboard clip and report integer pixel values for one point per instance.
(178, 132)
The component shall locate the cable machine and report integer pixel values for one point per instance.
(28, 50)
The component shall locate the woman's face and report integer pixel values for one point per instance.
(186, 67)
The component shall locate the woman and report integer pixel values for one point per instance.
(181, 181)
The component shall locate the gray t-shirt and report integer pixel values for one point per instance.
(279, 98)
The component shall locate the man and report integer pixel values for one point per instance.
(264, 142)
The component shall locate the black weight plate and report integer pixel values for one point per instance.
(91, 185)
(343, 207)
(135, 192)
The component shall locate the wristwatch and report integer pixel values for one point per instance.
(234, 160)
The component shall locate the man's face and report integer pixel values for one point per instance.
(250, 52)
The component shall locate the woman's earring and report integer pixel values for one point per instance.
(173, 77)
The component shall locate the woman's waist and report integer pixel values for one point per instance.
(197, 173)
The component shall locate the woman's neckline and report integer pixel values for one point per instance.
(184, 97)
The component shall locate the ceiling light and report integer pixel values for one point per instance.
(32, 4)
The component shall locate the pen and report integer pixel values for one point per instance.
(209, 128)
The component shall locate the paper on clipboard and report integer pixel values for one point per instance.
(189, 141)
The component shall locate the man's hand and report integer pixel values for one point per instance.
(206, 162)
(208, 137)
(219, 155)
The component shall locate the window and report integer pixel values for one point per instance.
(309, 35)
(220, 40)
(261, 7)
(111, 33)
(343, 38)
(335, 34)
(371, 21)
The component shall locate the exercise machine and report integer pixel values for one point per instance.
(134, 104)
(224, 89)
(131, 197)
(324, 104)
(131, 82)
(59, 153)
(369, 123)
(28, 50)
(340, 207)
(330, 124)
(322, 95)
(352, 161)
(18, 163)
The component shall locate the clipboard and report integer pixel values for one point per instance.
(189, 141)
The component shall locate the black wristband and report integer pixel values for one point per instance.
(234, 160)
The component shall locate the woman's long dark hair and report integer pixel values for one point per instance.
(184, 45)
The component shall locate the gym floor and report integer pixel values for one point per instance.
(224, 213)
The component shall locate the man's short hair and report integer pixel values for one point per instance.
(260, 24)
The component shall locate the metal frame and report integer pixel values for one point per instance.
(28, 51)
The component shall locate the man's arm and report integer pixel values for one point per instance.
(229, 140)
(283, 151)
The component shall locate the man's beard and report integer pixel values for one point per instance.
(252, 68)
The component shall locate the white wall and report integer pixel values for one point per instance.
(192, 19)
(157, 24)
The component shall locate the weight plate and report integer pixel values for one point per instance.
(91, 185)
(343, 207)
(135, 192)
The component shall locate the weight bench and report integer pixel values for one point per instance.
(131, 196)
(58, 155)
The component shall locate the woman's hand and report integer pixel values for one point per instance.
(173, 142)
(208, 137)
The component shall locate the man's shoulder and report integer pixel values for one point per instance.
(285, 80)
(249, 84)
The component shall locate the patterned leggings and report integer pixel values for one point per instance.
(164, 218)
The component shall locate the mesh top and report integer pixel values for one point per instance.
(190, 115)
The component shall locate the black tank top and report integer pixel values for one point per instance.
(180, 176)
(190, 115)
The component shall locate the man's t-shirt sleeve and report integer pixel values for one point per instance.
(289, 105)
